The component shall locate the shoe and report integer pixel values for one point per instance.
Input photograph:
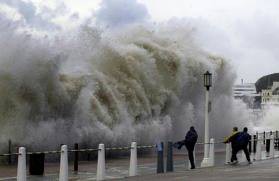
(249, 162)
(234, 162)
(193, 167)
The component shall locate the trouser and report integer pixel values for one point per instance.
(191, 155)
(246, 153)
(235, 151)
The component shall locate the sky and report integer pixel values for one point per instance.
(245, 32)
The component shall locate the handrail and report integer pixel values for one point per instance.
(80, 150)
(113, 148)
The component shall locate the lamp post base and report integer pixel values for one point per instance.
(206, 162)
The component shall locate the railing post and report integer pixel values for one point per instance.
(133, 160)
(170, 157)
(264, 137)
(21, 166)
(259, 149)
(63, 174)
(243, 156)
(276, 140)
(211, 153)
(160, 157)
(101, 174)
(10, 151)
(271, 149)
(267, 144)
(250, 146)
(255, 143)
(76, 158)
(228, 153)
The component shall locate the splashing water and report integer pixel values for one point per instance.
(269, 119)
(141, 83)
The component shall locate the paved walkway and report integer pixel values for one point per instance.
(258, 171)
(118, 169)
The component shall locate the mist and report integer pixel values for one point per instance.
(138, 82)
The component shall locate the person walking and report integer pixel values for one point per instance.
(243, 141)
(234, 144)
(190, 142)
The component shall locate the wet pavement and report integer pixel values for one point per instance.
(267, 170)
(118, 169)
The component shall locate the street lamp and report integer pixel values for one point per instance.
(207, 77)
(207, 85)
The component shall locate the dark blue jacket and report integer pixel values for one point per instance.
(243, 139)
(191, 138)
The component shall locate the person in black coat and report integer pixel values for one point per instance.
(190, 142)
(243, 141)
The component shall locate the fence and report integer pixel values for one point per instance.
(255, 146)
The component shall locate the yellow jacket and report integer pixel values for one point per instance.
(229, 138)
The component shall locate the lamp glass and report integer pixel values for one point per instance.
(207, 79)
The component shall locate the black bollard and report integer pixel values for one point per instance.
(276, 140)
(255, 143)
(160, 157)
(250, 146)
(76, 158)
(267, 145)
(169, 157)
(10, 151)
(264, 137)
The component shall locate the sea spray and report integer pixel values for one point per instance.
(140, 84)
(269, 119)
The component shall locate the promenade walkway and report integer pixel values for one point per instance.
(267, 170)
(117, 170)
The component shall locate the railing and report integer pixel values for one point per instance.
(255, 146)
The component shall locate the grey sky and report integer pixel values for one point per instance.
(115, 13)
(246, 32)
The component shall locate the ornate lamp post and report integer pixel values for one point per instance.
(207, 85)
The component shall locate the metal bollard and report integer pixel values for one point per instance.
(243, 156)
(170, 157)
(63, 174)
(250, 146)
(160, 157)
(267, 145)
(133, 160)
(21, 166)
(264, 137)
(76, 158)
(276, 140)
(271, 149)
(228, 153)
(211, 153)
(255, 144)
(101, 174)
(259, 149)
(10, 151)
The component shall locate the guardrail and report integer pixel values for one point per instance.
(255, 146)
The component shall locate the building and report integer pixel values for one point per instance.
(270, 96)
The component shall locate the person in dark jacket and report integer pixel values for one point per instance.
(190, 141)
(234, 143)
(243, 141)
